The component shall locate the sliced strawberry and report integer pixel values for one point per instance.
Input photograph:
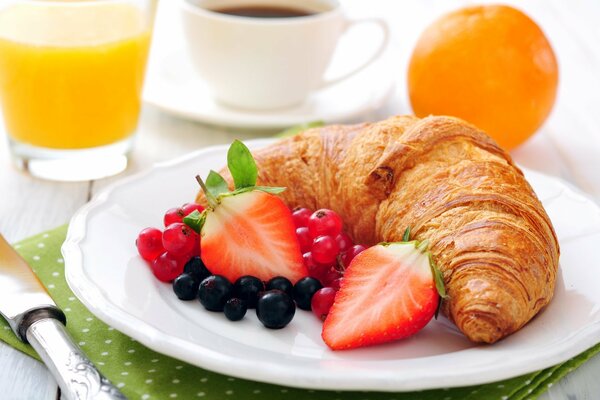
(251, 233)
(388, 293)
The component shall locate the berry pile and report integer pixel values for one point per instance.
(174, 256)
(168, 251)
(248, 250)
(327, 250)
(275, 301)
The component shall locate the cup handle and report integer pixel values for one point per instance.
(384, 41)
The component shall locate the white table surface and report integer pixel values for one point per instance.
(567, 146)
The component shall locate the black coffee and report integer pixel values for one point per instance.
(264, 11)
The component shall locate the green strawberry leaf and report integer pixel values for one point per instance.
(216, 184)
(241, 164)
(438, 279)
(439, 284)
(195, 220)
(296, 129)
(270, 189)
(212, 200)
(406, 236)
(266, 189)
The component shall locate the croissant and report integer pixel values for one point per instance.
(451, 183)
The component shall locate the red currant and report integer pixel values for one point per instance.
(329, 277)
(304, 239)
(325, 250)
(335, 284)
(314, 269)
(344, 242)
(196, 248)
(167, 267)
(173, 215)
(324, 222)
(179, 239)
(301, 216)
(149, 243)
(189, 208)
(322, 301)
(349, 255)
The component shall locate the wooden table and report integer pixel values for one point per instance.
(568, 146)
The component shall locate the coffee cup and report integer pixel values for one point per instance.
(267, 54)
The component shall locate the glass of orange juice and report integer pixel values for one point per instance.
(71, 75)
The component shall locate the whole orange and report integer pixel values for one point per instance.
(490, 65)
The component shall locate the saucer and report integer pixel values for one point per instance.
(173, 86)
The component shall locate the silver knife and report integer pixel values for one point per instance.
(36, 320)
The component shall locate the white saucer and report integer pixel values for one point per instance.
(172, 85)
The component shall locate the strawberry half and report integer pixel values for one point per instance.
(248, 231)
(388, 293)
(252, 233)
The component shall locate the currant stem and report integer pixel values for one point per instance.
(212, 200)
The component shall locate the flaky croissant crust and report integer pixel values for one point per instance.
(449, 182)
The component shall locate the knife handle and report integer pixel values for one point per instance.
(77, 377)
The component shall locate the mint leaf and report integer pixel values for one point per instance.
(241, 165)
(296, 129)
(215, 184)
(195, 220)
(406, 236)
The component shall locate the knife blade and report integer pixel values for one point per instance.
(35, 319)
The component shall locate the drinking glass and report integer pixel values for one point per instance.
(71, 75)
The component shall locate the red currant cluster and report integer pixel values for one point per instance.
(167, 251)
(327, 252)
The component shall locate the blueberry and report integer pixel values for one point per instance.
(196, 267)
(214, 291)
(304, 290)
(280, 283)
(248, 288)
(275, 309)
(186, 286)
(235, 309)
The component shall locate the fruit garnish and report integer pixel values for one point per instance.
(214, 292)
(301, 216)
(179, 238)
(325, 250)
(304, 290)
(280, 283)
(324, 222)
(322, 301)
(167, 266)
(149, 243)
(344, 242)
(352, 252)
(389, 292)
(275, 309)
(304, 239)
(235, 309)
(186, 286)
(248, 288)
(248, 231)
(194, 266)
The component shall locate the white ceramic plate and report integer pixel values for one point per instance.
(104, 271)
(172, 85)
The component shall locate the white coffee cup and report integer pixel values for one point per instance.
(267, 63)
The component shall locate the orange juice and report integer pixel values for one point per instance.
(71, 74)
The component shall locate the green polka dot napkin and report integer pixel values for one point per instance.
(143, 374)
